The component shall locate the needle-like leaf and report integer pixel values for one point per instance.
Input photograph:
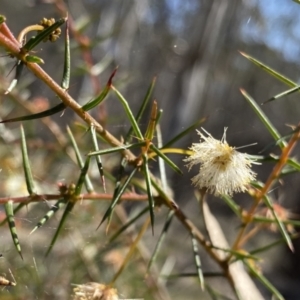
(197, 261)
(161, 239)
(70, 204)
(43, 114)
(67, 61)
(128, 224)
(88, 184)
(26, 165)
(184, 132)
(141, 109)
(149, 190)
(166, 159)
(59, 204)
(271, 71)
(117, 197)
(12, 225)
(264, 281)
(68, 209)
(129, 114)
(98, 157)
(100, 98)
(265, 120)
(280, 225)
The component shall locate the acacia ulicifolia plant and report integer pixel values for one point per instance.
(223, 170)
(21, 52)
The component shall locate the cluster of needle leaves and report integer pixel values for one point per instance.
(69, 195)
(263, 214)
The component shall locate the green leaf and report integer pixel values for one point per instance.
(118, 184)
(184, 132)
(88, 184)
(117, 197)
(265, 120)
(230, 202)
(149, 190)
(59, 204)
(169, 202)
(82, 176)
(42, 36)
(269, 220)
(128, 224)
(280, 225)
(129, 114)
(26, 165)
(14, 212)
(68, 209)
(34, 59)
(12, 226)
(264, 281)
(129, 134)
(166, 159)
(141, 109)
(116, 149)
(197, 262)
(43, 114)
(99, 99)
(292, 162)
(271, 245)
(159, 116)
(67, 61)
(285, 93)
(238, 255)
(70, 204)
(98, 157)
(150, 131)
(270, 71)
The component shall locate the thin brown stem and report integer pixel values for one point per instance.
(4, 29)
(286, 151)
(94, 196)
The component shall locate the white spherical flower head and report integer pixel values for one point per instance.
(223, 170)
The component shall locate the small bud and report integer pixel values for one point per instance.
(55, 34)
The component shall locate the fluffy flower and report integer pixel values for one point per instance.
(223, 170)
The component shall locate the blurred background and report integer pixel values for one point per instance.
(192, 47)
